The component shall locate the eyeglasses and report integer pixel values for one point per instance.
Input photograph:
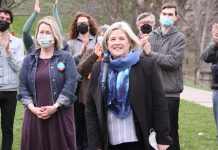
(145, 22)
(5, 19)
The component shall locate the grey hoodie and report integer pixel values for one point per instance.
(168, 53)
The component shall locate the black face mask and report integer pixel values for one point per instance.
(83, 28)
(4, 25)
(146, 28)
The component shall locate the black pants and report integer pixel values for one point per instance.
(173, 105)
(80, 122)
(128, 146)
(8, 103)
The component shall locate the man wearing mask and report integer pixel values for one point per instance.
(145, 23)
(11, 58)
(166, 47)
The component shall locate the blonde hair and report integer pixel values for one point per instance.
(126, 29)
(49, 20)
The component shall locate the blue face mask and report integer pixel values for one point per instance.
(45, 41)
(100, 39)
(166, 22)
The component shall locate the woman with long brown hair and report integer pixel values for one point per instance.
(82, 32)
(82, 41)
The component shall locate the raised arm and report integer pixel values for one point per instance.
(56, 16)
(27, 39)
(210, 53)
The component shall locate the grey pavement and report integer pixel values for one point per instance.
(198, 96)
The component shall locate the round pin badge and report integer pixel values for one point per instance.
(61, 66)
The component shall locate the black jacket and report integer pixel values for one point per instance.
(210, 55)
(147, 100)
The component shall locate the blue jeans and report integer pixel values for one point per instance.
(215, 108)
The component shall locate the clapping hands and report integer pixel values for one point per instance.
(215, 33)
(98, 49)
(144, 40)
(6, 43)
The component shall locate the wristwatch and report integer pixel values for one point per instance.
(57, 106)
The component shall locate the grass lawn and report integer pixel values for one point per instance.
(197, 86)
(197, 129)
(17, 126)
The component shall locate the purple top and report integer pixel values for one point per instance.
(55, 133)
(43, 88)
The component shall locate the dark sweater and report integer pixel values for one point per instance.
(210, 55)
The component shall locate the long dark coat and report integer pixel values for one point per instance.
(147, 100)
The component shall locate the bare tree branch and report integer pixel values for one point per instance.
(14, 5)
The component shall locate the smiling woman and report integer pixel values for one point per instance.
(120, 40)
(127, 106)
(118, 44)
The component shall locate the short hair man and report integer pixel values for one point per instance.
(11, 58)
(167, 50)
(145, 18)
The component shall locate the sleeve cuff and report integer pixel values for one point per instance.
(26, 101)
(64, 100)
(213, 45)
(151, 54)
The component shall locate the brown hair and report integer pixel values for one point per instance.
(7, 11)
(170, 5)
(73, 32)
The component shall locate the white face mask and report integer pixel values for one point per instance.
(100, 39)
(45, 41)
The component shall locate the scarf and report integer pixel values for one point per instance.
(118, 83)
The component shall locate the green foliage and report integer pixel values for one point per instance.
(19, 22)
(197, 127)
